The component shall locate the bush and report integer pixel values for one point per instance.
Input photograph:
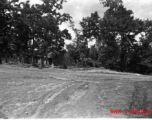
(68, 61)
(89, 62)
(111, 64)
(97, 64)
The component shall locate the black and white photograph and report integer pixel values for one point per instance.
(75, 59)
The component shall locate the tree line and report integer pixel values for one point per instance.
(30, 31)
(117, 46)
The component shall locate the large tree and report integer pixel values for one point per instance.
(91, 28)
(141, 58)
(119, 29)
(33, 27)
(4, 28)
(51, 36)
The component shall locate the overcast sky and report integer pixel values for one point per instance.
(83, 8)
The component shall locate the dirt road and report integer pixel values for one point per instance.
(57, 93)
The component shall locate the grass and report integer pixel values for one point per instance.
(99, 91)
(140, 101)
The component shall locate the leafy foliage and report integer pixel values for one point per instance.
(32, 30)
(115, 34)
(29, 32)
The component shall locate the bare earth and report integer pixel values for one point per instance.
(59, 93)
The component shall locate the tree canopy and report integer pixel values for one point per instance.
(115, 35)
(29, 32)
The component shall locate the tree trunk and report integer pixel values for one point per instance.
(123, 60)
(6, 58)
(20, 58)
(0, 58)
(41, 62)
(50, 61)
(36, 59)
(23, 59)
(33, 60)
(46, 58)
(123, 54)
(33, 54)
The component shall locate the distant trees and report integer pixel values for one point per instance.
(32, 30)
(91, 28)
(4, 20)
(141, 60)
(79, 51)
(115, 35)
(29, 32)
(119, 29)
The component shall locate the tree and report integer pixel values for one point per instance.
(119, 28)
(141, 60)
(93, 53)
(79, 46)
(52, 38)
(32, 30)
(22, 30)
(91, 28)
(4, 28)
(111, 3)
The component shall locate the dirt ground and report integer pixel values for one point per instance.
(59, 93)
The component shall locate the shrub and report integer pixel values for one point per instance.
(97, 64)
(68, 61)
(89, 62)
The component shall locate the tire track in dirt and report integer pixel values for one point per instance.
(55, 93)
(50, 97)
(63, 105)
(26, 98)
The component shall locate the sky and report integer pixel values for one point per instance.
(83, 8)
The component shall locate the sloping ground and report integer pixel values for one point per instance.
(57, 93)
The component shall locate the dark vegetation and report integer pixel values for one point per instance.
(31, 32)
